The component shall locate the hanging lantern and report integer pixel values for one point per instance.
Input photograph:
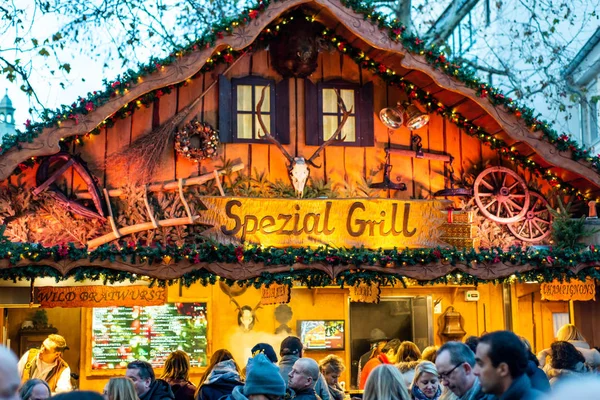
(415, 119)
(409, 114)
(392, 117)
(452, 330)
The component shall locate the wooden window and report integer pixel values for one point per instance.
(238, 122)
(323, 114)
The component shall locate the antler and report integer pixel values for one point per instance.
(338, 131)
(267, 135)
(235, 302)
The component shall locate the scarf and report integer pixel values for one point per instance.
(225, 370)
(419, 395)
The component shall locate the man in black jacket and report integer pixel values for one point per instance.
(146, 385)
(302, 379)
(501, 365)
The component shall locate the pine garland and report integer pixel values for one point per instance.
(548, 264)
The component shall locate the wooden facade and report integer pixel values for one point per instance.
(346, 170)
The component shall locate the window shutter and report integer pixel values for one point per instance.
(225, 110)
(365, 115)
(282, 111)
(312, 114)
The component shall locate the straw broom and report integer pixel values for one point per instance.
(144, 153)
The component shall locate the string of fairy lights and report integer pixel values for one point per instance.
(435, 58)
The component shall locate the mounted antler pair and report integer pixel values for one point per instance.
(298, 166)
(246, 315)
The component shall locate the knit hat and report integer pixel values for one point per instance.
(291, 345)
(266, 349)
(262, 377)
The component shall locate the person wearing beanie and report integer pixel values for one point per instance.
(290, 352)
(262, 381)
(267, 350)
(302, 379)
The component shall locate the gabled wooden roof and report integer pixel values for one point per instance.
(377, 44)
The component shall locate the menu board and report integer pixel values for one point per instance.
(124, 334)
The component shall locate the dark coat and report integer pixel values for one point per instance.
(159, 390)
(218, 389)
(537, 377)
(182, 389)
(306, 394)
(521, 390)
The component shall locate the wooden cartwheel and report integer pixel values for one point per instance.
(537, 223)
(501, 195)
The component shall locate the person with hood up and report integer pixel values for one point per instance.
(263, 381)
(567, 361)
(146, 385)
(290, 351)
(222, 375)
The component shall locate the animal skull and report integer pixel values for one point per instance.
(298, 170)
(299, 173)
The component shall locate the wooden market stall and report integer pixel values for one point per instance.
(428, 190)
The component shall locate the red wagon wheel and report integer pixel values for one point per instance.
(537, 223)
(501, 195)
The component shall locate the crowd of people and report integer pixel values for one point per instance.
(497, 365)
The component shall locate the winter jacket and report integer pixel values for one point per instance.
(538, 377)
(236, 394)
(521, 389)
(336, 392)
(159, 390)
(407, 369)
(285, 367)
(182, 389)
(220, 382)
(370, 366)
(305, 394)
(558, 374)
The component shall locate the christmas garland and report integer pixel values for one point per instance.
(208, 141)
(548, 264)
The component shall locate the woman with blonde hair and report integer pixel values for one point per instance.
(426, 383)
(570, 333)
(332, 367)
(385, 382)
(177, 374)
(222, 375)
(120, 388)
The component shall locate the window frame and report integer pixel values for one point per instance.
(364, 126)
(252, 81)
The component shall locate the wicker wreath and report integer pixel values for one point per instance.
(208, 141)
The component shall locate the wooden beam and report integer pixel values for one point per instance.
(426, 155)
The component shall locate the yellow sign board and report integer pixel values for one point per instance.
(565, 291)
(275, 294)
(364, 293)
(373, 223)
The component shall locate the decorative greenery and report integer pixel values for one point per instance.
(548, 264)
(40, 319)
(566, 230)
(207, 136)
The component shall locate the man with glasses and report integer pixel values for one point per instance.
(46, 363)
(145, 383)
(302, 379)
(455, 363)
